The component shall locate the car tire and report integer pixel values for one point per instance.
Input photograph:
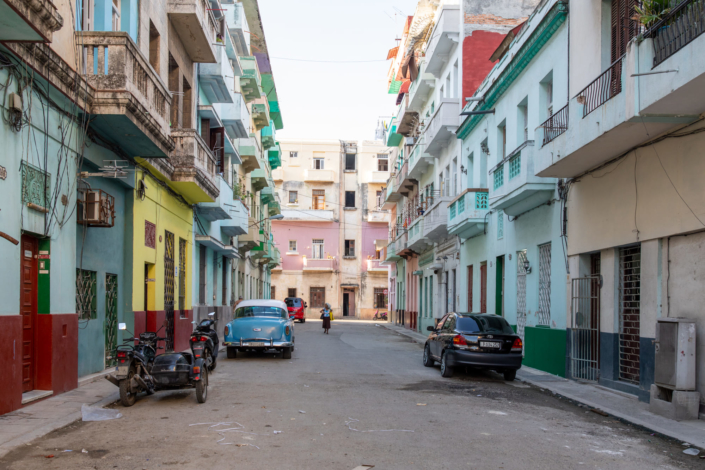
(427, 360)
(202, 387)
(510, 375)
(286, 353)
(303, 320)
(232, 353)
(446, 370)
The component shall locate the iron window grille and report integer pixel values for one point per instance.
(86, 294)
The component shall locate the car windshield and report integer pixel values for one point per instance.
(259, 311)
(294, 303)
(484, 324)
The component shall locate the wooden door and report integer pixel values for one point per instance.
(318, 297)
(470, 273)
(483, 288)
(28, 309)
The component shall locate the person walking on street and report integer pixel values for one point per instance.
(326, 314)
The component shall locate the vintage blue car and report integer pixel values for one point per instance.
(260, 325)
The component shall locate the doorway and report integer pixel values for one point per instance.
(348, 303)
(28, 309)
(499, 296)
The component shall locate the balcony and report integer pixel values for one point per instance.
(377, 216)
(436, 219)
(268, 136)
(228, 251)
(275, 207)
(441, 127)
(377, 176)
(276, 258)
(618, 111)
(275, 156)
(251, 80)
(417, 242)
(394, 138)
(237, 25)
(238, 223)
(251, 154)
(392, 196)
(131, 103)
(219, 209)
(194, 167)
(419, 160)
(209, 112)
(216, 80)
(403, 182)
(262, 250)
(421, 89)
(318, 265)
(407, 119)
(29, 21)
(392, 252)
(194, 23)
(235, 117)
(258, 179)
(319, 176)
(467, 213)
(375, 267)
(308, 215)
(260, 114)
(520, 189)
(444, 38)
(252, 238)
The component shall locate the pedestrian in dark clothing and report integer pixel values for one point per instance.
(326, 314)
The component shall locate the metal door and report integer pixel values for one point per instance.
(521, 295)
(544, 313)
(169, 289)
(28, 309)
(629, 313)
(585, 328)
(182, 277)
(111, 318)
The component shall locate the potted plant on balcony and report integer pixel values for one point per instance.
(651, 12)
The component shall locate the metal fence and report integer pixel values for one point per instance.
(678, 28)
(585, 328)
(555, 125)
(603, 88)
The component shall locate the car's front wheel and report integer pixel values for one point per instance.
(446, 370)
(427, 361)
(232, 353)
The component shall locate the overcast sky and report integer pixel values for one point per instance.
(332, 100)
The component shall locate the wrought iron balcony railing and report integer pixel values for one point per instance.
(677, 29)
(555, 125)
(603, 88)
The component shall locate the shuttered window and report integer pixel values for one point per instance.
(319, 199)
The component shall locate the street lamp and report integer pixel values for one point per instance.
(274, 217)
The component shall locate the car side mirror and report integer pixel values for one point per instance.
(430, 328)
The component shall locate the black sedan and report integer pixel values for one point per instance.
(476, 340)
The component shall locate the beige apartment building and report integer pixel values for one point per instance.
(332, 231)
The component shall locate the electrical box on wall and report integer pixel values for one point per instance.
(15, 102)
(675, 353)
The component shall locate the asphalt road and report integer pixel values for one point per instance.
(359, 395)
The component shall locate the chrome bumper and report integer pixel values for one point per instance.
(268, 343)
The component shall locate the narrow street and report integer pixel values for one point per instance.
(357, 396)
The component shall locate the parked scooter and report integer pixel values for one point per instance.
(140, 369)
(380, 316)
(205, 343)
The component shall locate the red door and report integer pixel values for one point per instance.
(28, 309)
(483, 288)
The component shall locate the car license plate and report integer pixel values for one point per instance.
(490, 344)
(253, 344)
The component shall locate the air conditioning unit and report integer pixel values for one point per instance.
(96, 208)
(92, 207)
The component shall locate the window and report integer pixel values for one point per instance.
(86, 294)
(455, 177)
(379, 200)
(174, 87)
(319, 199)
(499, 177)
(153, 47)
(293, 197)
(349, 199)
(544, 312)
(259, 311)
(380, 297)
(293, 154)
(549, 98)
(291, 292)
(515, 166)
(116, 15)
(502, 140)
(273, 290)
(349, 161)
(383, 164)
(523, 120)
(318, 163)
(350, 248)
(317, 249)
(318, 297)
(292, 245)
(186, 106)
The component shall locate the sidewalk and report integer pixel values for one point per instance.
(26, 424)
(620, 405)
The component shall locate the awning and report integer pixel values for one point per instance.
(392, 52)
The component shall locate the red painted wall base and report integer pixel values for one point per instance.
(57, 352)
(140, 325)
(155, 320)
(10, 363)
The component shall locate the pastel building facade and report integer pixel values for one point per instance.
(332, 228)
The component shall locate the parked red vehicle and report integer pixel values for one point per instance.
(296, 307)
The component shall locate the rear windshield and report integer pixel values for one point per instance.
(257, 311)
(294, 303)
(484, 324)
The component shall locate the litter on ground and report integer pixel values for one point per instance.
(96, 413)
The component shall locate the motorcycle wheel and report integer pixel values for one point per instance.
(127, 398)
(202, 387)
